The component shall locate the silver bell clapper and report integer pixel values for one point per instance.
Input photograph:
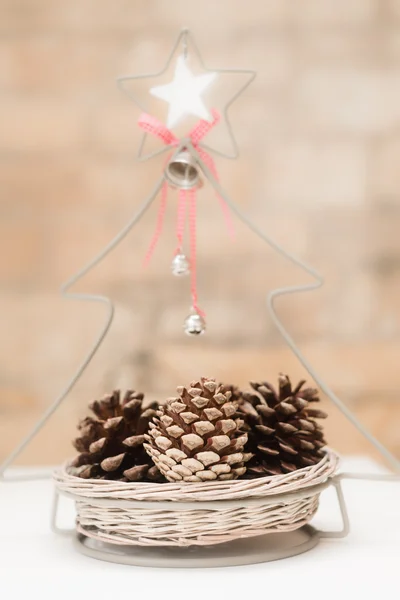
(180, 265)
(182, 171)
(195, 324)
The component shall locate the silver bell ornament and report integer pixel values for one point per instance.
(180, 265)
(194, 324)
(182, 171)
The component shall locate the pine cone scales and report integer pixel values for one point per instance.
(111, 445)
(195, 437)
(283, 433)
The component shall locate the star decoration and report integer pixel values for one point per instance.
(183, 94)
(188, 101)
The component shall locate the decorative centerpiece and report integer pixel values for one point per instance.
(212, 465)
(213, 475)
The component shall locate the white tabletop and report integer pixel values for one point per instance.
(36, 563)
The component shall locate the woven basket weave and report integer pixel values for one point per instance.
(185, 514)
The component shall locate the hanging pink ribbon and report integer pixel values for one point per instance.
(153, 126)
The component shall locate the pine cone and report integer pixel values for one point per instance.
(111, 445)
(195, 437)
(283, 433)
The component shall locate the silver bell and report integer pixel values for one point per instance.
(182, 171)
(194, 324)
(180, 265)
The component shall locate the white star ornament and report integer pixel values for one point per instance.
(183, 94)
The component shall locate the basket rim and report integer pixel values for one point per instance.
(271, 485)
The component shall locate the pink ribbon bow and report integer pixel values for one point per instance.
(154, 127)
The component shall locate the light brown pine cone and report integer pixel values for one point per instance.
(195, 436)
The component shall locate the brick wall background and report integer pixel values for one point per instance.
(319, 133)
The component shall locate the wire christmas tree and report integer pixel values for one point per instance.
(189, 161)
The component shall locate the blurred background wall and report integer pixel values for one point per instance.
(319, 133)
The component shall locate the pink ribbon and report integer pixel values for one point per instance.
(153, 126)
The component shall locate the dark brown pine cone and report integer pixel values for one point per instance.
(110, 445)
(282, 428)
(195, 436)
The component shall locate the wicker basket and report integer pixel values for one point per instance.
(187, 514)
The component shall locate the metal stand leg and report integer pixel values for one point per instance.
(53, 523)
(336, 481)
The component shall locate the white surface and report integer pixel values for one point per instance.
(35, 563)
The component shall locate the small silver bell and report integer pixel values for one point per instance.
(194, 324)
(180, 265)
(182, 171)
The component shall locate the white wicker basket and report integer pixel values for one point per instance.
(187, 514)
